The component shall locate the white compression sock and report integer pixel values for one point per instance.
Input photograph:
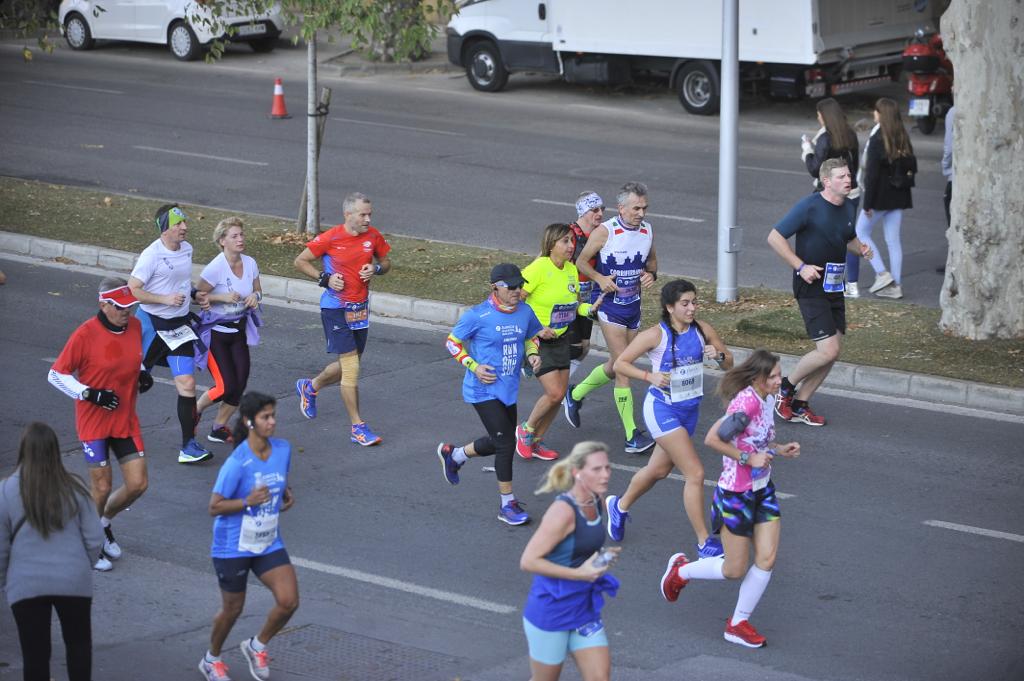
(705, 568)
(751, 590)
(459, 455)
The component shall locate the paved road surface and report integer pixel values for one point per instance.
(403, 577)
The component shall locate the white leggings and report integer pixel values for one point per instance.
(891, 221)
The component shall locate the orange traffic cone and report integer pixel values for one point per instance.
(279, 110)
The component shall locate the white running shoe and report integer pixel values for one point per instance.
(851, 290)
(110, 547)
(259, 662)
(881, 281)
(893, 291)
(103, 564)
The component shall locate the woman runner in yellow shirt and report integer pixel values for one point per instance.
(552, 291)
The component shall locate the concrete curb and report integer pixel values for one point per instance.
(844, 376)
(350, 63)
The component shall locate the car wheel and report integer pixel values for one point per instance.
(263, 44)
(183, 42)
(77, 33)
(484, 68)
(698, 88)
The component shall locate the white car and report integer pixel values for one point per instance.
(165, 22)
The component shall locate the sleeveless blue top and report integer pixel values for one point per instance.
(689, 349)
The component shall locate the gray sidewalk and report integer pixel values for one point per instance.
(844, 378)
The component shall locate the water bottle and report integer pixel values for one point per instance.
(604, 558)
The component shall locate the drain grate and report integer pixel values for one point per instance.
(318, 652)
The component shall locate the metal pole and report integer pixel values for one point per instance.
(312, 177)
(728, 143)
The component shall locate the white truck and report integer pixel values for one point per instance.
(789, 48)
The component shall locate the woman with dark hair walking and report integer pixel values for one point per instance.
(835, 139)
(745, 509)
(250, 493)
(888, 174)
(50, 535)
(677, 348)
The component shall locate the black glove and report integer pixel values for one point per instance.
(101, 398)
(734, 424)
(145, 381)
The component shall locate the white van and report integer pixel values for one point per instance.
(165, 22)
(789, 48)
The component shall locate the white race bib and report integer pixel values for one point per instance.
(177, 337)
(686, 382)
(834, 275)
(759, 478)
(258, 532)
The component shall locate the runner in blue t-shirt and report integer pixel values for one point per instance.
(490, 340)
(250, 494)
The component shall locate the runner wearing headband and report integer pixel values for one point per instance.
(162, 283)
(626, 264)
(589, 213)
(348, 252)
(100, 367)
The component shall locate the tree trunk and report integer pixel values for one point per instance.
(312, 176)
(983, 293)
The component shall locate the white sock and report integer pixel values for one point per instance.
(751, 590)
(705, 568)
(459, 455)
(210, 657)
(574, 364)
(255, 644)
(104, 521)
(505, 498)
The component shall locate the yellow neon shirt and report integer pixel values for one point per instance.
(553, 293)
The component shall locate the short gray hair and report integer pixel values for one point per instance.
(110, 283)
(825, 172)
(222, 229)
(349, 204)
(639, 189)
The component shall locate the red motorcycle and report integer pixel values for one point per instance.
(930, 81)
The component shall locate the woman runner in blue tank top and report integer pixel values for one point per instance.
(677, 348)
(563, 609)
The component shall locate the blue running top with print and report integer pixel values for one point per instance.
(586, 537)
(624, 258)
(689, 349)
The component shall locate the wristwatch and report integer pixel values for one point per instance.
(744, 458)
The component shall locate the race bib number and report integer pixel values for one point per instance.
(585, 288)
(509, 359)
(357, 315)
(175, 338)
(258, 532)
(562, 315)
(834, 274)
(686, 382)
(759, 478)
(629, 290)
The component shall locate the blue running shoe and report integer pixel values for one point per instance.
(449, 467)
(711, 548)
(513, 514)
(639, 443)
(193, 452)
(362, 435)
(307, 397)
(572, 408)
(616, 518)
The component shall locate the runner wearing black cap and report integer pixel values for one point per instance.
(100, 367)
(490, 341)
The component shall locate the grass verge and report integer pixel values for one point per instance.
(881, 333)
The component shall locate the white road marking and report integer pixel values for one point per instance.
(400, 127)
(189, 153)
(653, 215)
(996, 534)
(74, 87)
(404, 586)
(678, 476)
(774, 170)
(156, 379)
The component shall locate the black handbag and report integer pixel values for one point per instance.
(903, 170)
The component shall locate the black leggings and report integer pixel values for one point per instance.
(32, 616)
(229, 366)
(500, 420)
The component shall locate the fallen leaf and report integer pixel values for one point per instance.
(107, 201)
(65, 261)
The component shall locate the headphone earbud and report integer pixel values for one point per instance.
(249, 423)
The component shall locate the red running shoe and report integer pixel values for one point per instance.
(542, 452)
(671, 582)
(744, 633)
(784, 406)
(524, 442)
(807, 416)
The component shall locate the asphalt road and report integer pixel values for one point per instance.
(440, 160)
(404, 577)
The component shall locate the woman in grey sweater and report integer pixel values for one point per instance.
(49, 535)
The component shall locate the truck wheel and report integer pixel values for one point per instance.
(77, 33)
(698, 88)
(926, 125)
(484, 67)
